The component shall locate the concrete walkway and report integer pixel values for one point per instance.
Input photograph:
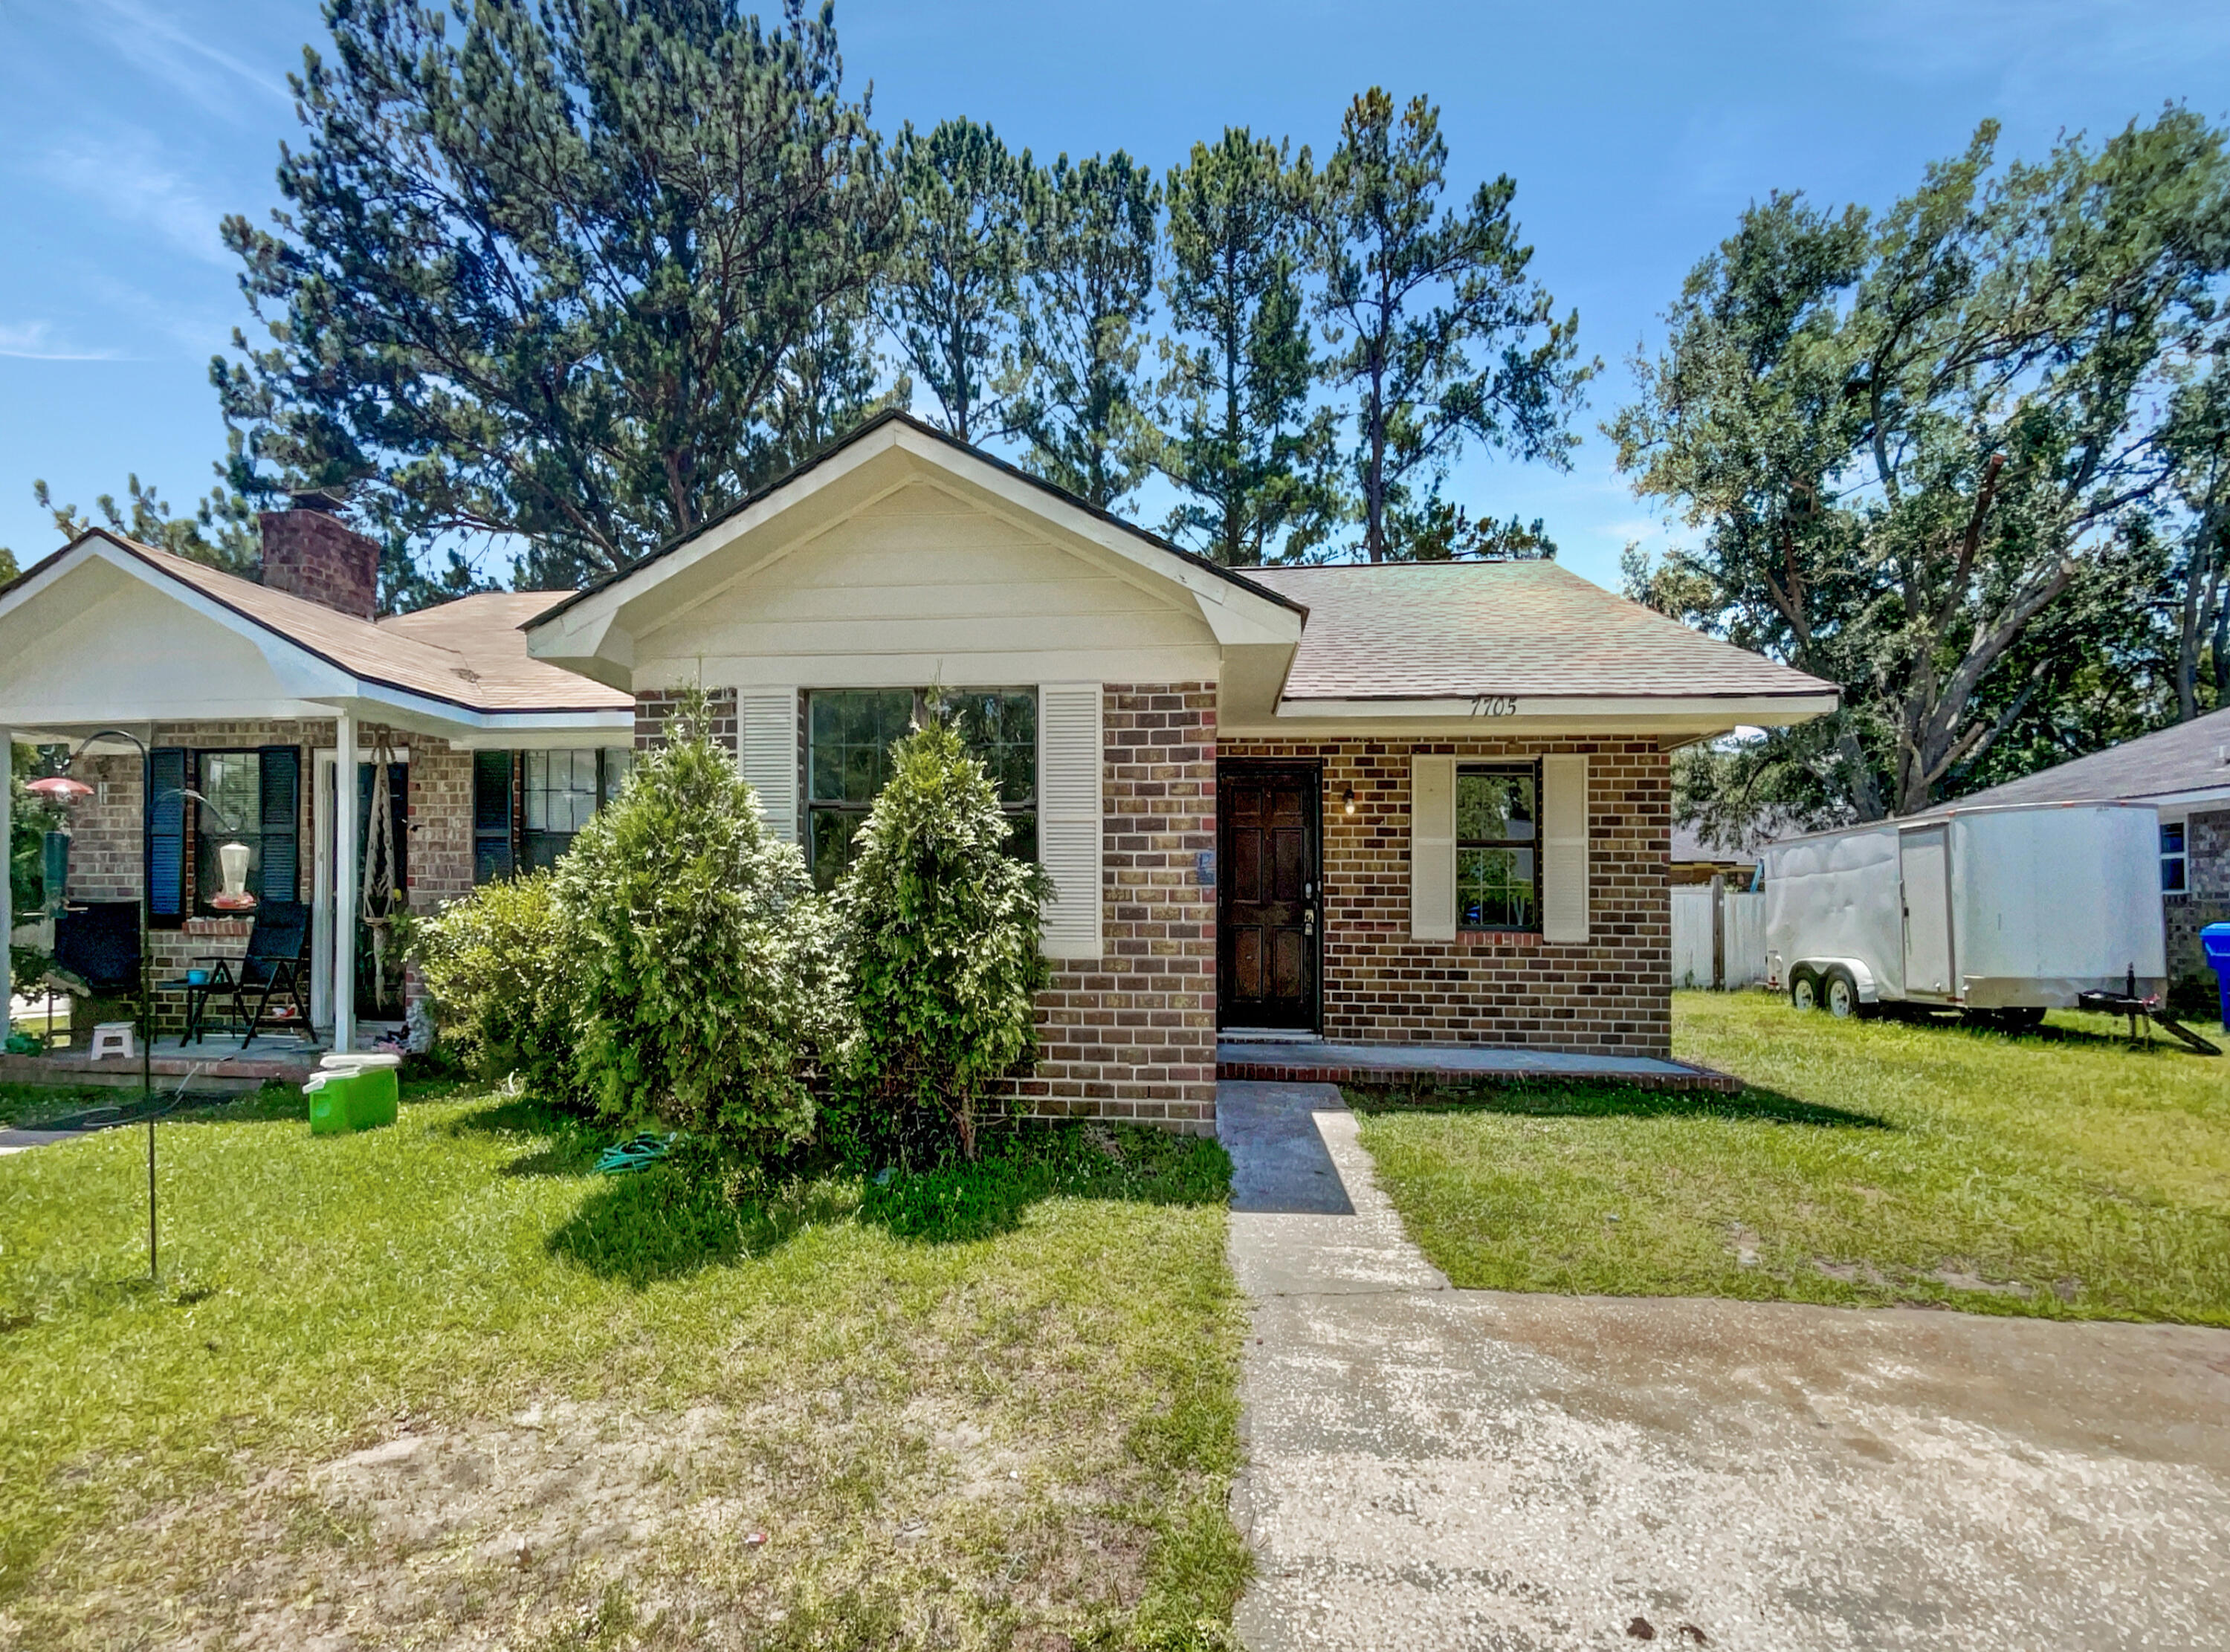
(1446, 1468)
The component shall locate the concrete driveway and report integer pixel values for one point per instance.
(1444, 1468)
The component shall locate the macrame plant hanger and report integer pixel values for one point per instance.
(376, 886)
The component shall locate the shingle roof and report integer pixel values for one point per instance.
(1456, 630)
(469, 652)
(2187, 758)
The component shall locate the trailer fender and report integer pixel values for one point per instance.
(1869, 989)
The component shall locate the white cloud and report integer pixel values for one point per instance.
(36, 341)
(127, 177)
(187, 64)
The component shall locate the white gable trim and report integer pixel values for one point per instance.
(304, 676)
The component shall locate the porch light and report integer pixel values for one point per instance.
(1347, 803)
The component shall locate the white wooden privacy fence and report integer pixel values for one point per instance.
(1718, 937)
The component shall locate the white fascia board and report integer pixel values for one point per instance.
(1488, 713)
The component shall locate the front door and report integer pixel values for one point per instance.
(1269, 895)
(1926, 854)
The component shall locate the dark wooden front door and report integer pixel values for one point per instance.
(1269, 895)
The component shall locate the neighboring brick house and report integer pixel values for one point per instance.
(2184, 773)
(1391, 805)
(1398, 804)
(244, 691)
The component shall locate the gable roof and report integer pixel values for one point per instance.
(2190, 757)
(468, 653)
(1441, 631)
(1054, 494)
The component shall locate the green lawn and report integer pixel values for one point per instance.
(2062, 1173)
(440, 1382)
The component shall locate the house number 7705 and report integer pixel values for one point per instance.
(1493, 705)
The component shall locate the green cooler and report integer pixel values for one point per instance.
(353, 1092)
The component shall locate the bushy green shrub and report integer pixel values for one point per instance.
(941, 933)
(706, 984)
(503, 972)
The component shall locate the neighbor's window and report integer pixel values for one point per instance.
(558, 792)
(849, 733)
(2173, 863)
(1497, 848)
(249, 799)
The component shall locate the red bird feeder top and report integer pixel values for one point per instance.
(59, 789)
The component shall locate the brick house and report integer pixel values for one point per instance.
(1392, 805)
(1397, 805)
(2184, 772)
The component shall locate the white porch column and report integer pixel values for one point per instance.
(344, 875)
(7, 909)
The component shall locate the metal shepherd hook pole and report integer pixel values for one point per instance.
(146, 997)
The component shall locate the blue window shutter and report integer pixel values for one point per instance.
(166, 838)
(282, 768)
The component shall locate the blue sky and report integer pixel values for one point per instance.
(1636, 134)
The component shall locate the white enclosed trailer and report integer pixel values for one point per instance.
(2013, 910)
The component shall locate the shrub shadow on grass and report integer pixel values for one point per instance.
(567, 1146)
(959, 1202)
(1533, 1100)
(675, 1219)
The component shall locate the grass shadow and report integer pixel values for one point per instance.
(565, 1144)
(1536, 1100)
(678, 1217)
(959, 1202)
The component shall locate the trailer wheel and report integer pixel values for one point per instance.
(1840, 993)
(1803, 990)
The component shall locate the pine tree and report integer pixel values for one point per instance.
(952, 297)
(1445, 338)
(1090, 286)
(563, 271)
(1244, 445)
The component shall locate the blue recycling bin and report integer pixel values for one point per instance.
(2215, 941)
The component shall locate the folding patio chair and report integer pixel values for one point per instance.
(274, 967)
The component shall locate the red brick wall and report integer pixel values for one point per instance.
(1610, 994)
(1132, 1034)
(322, 559)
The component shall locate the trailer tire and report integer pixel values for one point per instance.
(1803, 990)
(1839, 995)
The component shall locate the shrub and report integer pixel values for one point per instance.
(942, 936)
(502, 970)
(703, 953)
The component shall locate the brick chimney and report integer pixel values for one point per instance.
(310, 552)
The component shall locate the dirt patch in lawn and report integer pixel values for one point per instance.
(571, 1525)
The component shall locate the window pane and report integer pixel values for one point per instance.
(1493, 808)
(232, 781)
(619, 763)
(2171, 837)
(230, 816)
(2172, 874)
(1001, 727)
(1494, 889)
(833, 831)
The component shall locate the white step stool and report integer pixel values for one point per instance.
(112, 1038)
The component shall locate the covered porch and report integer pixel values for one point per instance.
(204, 721)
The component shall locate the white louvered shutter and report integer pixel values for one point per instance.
(1563, 848)
(1432, 848)
(1069, 816)
(766, 726)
